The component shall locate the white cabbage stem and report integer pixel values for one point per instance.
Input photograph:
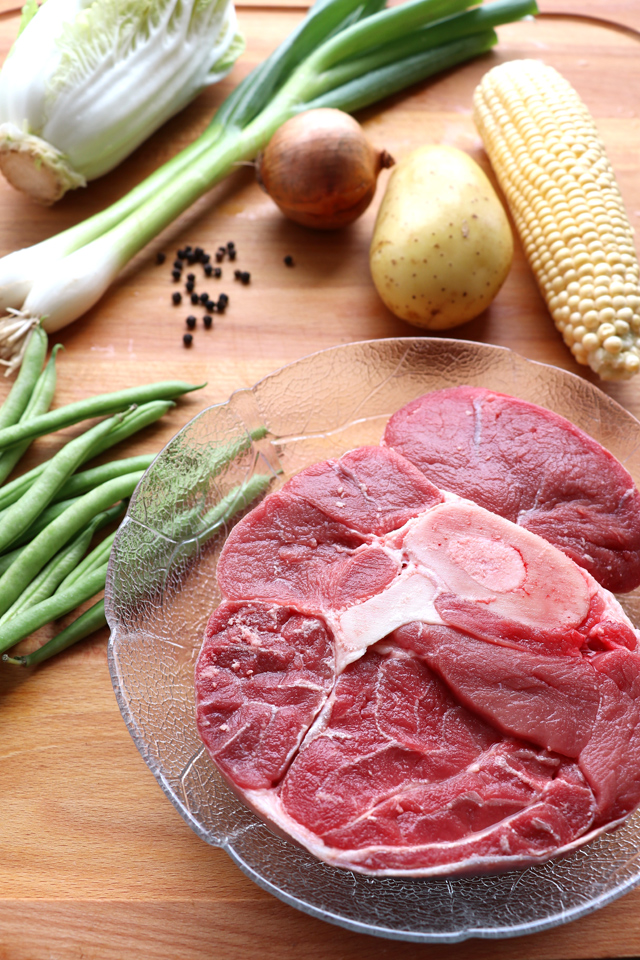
(87, 81)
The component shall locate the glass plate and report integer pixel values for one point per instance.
(161, 590)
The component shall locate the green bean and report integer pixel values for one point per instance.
(7, 559)
(40, 550)
(46, 517)
(16, 403)
(96, 558)
(80, 483)
(141, 417)
(54, 573)
(98, 406)
(56, 606)
(39, 402)
(87, 623)
(20, 515)
(236, 500)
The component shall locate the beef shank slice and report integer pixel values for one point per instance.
(416, 685)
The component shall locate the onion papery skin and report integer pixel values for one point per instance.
(320, 169)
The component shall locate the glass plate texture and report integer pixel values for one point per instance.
(162, 588)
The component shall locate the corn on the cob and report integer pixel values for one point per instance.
(553, 169)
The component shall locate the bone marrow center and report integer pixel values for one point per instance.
(492, 563)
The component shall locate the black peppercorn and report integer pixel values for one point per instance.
(191, 277)
(176, 298)
(187, 339)
(160, 257)
(289, 261)
(191, 323)
(217, 272)
(176, 274)
(208, 270)
(204, 297)
(207, 320)
(195, 299)
(210, 306)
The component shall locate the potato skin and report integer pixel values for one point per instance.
(442, 245)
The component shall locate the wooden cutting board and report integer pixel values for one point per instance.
(95, 862)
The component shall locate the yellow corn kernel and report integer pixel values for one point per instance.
(553, 169)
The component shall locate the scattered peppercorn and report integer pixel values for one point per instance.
(208, 270)
(195, 299)
(176, 298)
(289, 261)
(231, 245)
(182, 254)
(160, 257)
(223, 298)
(237, 274)
(191, 277)
(204, 297)
(189, 286)
(176, 274)
(217, 272)
(187, 339)
(207, 320)
(210, 306)
(177, 264)
(219, 256)
(245, 277)
(198, 253)
(205, 259)
(191, 323)
(232, 254)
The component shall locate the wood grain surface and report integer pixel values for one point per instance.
(94, 861)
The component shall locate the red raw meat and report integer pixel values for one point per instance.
(406, 683)
(532, 467)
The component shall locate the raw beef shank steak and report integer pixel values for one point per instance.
(406, 683)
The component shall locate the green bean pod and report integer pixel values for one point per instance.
(141, 417)
(20, 515)
(81, 483)
(46, 517)
(39, 402)
(104, 404)
(40, 550)
(24, 623)
(97, 558)
(87, 623)
(16, 403)
(54, 573)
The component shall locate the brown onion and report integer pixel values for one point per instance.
(320, 169)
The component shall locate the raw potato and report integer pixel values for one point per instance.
(442, 245)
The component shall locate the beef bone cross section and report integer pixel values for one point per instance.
(413, 685)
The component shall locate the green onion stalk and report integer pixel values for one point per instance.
(346, 54)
